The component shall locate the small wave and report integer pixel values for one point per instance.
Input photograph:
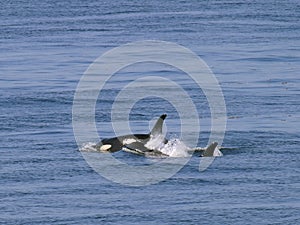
(88, 147)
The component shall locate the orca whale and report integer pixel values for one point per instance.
(139, 143)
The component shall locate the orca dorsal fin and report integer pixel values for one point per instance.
(157, 129)
(209, 151)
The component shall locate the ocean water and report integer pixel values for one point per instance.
(252, 47)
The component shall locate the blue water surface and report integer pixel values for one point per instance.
(253, 48)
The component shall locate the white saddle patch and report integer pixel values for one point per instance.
(128, 141)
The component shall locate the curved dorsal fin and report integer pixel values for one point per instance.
(157, 129)
(209, 151)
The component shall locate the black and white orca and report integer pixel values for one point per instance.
(138, 143)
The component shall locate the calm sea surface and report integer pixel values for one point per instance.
(253, 48)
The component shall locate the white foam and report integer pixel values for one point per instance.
(88, 147)
(174, 147)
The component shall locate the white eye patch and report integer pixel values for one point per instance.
(105, 147)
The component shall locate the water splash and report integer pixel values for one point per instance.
(173, 148)
(88, 147)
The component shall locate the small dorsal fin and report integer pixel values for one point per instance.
(157, 129)
(209, 151)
